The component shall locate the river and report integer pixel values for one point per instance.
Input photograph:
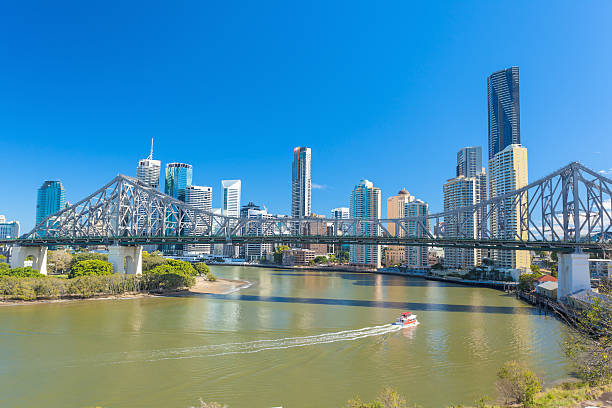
(293, 339)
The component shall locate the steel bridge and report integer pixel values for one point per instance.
(567, 210)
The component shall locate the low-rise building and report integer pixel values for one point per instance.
(298, 256)
(548, 289)
(600, 267)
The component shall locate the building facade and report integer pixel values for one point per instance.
(417, 256)
(316, 228)
(51, 199)
(508, 172)
(365, 203)
(178, 177)
(300, 183)
(255, 251)
(396, 205)
(340, 213)
(230, 199)
(8, 229)
(504, 110)
(148, 171)
(469, 161)
(199, 197)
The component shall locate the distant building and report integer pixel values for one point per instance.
(230, 199)
(340, 213)
(469, 161)
(504, 110)
(8, 229)
(148, 170)
(365, 203)
(300, 183)
(51, 199)
(507, 173)
(199, 197)
(598, 267)
(548, 289)
(298, 256)
(316, 228)
(255, 251)
(178, 178)
(417, 256)
(396, 205)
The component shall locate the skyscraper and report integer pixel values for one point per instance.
(365, 203)
(396, 254)
(340, 213)
(148, 170)
(51, 199)
(508, 172)
(230, 204)
(255, 251)
(199, 197)
(504, 110)
(300, 183)
(178, 178)
(416, 256)
(8, 229)
(469, 161)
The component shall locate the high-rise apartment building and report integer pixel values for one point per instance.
(340, 213)
(300, 183)
(230, 199)
(365, 203)
(148, 170)
(416, 256)
(199, 197)
(396, 254)
(504, 110)
(508, 172)
(51, 199)
(469, 161)
(8, 229)
(255, 251)
(178, 178)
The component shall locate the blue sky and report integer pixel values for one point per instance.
(387, 91)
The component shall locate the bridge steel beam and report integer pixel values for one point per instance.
(38, 254)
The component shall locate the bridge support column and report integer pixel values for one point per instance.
(574, 274)
(38, 254)
(126, 259)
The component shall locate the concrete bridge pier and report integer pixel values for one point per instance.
(574, 274)
(38, 254)
(126, 259)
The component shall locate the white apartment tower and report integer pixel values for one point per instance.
(148, 170)
(507, 173)
(300, 183)
(365, 203)
(340, 213)
(199, 197)
(230, 200)
(416, 256)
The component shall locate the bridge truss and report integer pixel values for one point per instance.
(567, 209)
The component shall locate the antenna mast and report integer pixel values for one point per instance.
(151, 154)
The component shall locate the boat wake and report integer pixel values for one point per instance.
(257, 345)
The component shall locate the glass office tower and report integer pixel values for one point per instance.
(178, 178)
(504, 110)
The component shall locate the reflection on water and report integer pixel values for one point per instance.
(292, 339)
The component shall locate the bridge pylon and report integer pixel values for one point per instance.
(37, 253)
(126, 259)
(574, 274)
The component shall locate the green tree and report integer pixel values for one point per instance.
(343, 256)
(320, 259)
(85, 256)
(589, 346)
(535, 268)
(554, 256)
(554, 270)
(58, 261)
(25, 272)
(278, 253)
(517, 384)
(150, 261)
(388, 398)
(527, 281)
(204, 270)
(182, 266)
(2, 258)
(90, 267)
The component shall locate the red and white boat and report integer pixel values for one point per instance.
(406, 319)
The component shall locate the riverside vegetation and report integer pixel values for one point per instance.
(86, 274)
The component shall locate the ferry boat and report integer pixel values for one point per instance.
(406, 319)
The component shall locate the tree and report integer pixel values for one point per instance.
(85, 256)
(58, 261)
(535, 268)
(554, 256)
(320, 259)
(278, 253)
(554, 270)
(527, 282)
(2, 258)
(517, 384)
(343, 256)
(25, 272)
(204, 270)
(184, 267)
(589, 346)
(90, 267)
(150, 261)
(388, 398)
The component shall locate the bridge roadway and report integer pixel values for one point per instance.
(556, 246)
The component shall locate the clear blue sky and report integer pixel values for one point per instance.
(387, 91)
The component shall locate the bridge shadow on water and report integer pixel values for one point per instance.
(414, 306)
(365, 279)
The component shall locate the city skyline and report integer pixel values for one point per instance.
(380, 93)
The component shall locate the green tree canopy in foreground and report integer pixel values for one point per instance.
(90, 267)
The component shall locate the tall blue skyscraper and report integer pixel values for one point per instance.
(51, 198)
(178, 178)
(504, 110)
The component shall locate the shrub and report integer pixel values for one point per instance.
(184, 267)
(25, 272)
(150, 261)
(90, 267)
(87, 256)
(517, 384)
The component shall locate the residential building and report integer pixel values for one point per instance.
(230, 199)
(504, 110)
(8, 229)
(340, 212)
(417, 256)
(298, 256)
(365, 203)
(508, 172)
(199, 197)
(148, 170)
(469, 161)
(51, 199)
(255, 251)
(597, 267)
(316, 228)
(178, 178)
(300, 183)
(396, 205)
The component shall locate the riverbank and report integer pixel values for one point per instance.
(218, 287)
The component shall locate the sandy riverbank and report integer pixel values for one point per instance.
(218, 287)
